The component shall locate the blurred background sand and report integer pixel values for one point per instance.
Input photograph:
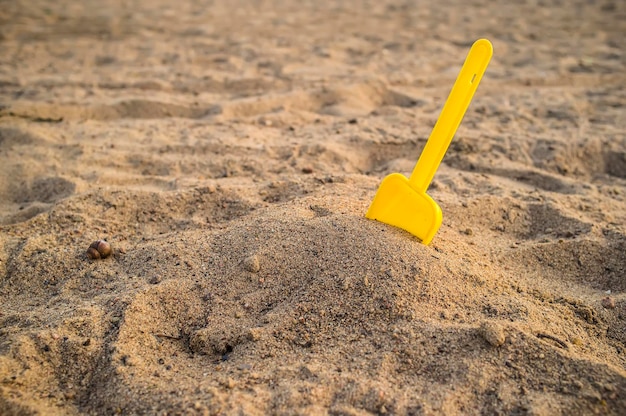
(228, 152)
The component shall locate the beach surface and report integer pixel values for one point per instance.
(228, 152)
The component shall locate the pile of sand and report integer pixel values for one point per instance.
(229, 152)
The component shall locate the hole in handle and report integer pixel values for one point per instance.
(473, 78)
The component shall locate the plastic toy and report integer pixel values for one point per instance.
(403, 202)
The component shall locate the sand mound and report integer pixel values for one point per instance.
(292, 308)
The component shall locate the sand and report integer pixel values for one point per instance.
(228, 152)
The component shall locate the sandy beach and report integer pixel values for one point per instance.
(228, 153)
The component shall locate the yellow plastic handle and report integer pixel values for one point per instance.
(453, 111)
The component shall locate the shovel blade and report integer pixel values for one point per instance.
(397, 203)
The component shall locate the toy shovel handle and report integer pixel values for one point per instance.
(451, 115)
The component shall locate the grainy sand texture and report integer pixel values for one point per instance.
(228, 151)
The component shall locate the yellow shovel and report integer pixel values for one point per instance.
(403, 202)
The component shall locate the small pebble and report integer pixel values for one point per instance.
(493, 333)
(252, 264)
(230, 383)
(255, 334)
(608, 302)
(307, 169)
(155, 279)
